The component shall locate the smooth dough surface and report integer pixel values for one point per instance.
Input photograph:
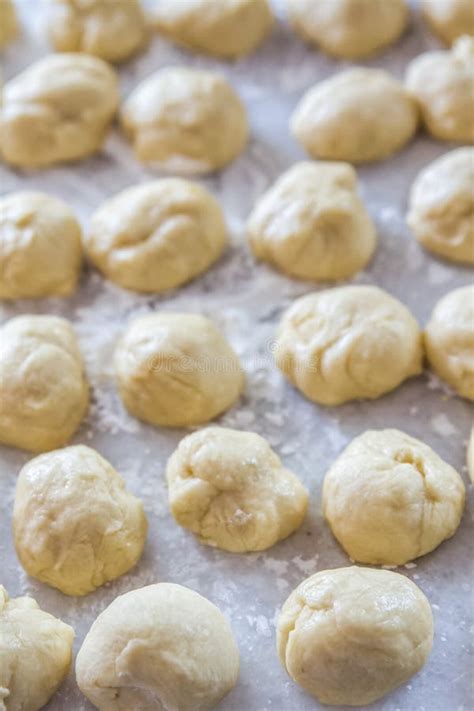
(75, 526)
(40, 246)
(176, 369)
(35, 653)
(57, 110)
(449, 19)
(389, 498)
(349, 636)
(348, 343)
(157, 236)
(359, 115)
(159, 647)
(470, 455)
(312, 224)
(8, 22)
(174, 117)
(43, 389)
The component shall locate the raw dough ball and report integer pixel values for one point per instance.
(389, 498)
(57, 110)
(231, 490)
(359, 115)
(40, 246)
(43, 388)
(157, 236)
(35, 653)
(449, 340)
(441, 211)
(75, 525)
(441, 83)
(159, 647)
(185, 120)
(8, 23)
(347, 343)
(312, 223)
(224, 29)
(450, 19)
(470, 456)
(176, 370)
(110, 29)
(349, 28)
(349, 636)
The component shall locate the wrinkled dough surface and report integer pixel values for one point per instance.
(8, 23)
(449, 19)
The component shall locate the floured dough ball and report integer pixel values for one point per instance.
(40, 247)
(359, 115)
(75, 526)
(224, 29)
(389, 498)
(8, 22)
(43, 389)
(441, 212)
(57, 110)
(312, 224)
(441, 83)
(349, 636)
(232, 491)
(449, 340)
(176, 369)
(449, 19)
(35, 653)
(349, 28)
(185, 120)
(470, 456)
(348, 343)
(159, 647)
(157, 236)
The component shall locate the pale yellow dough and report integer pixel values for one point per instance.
(159, 647)
(43, 389)
(312, 224)
(8, 23)
(470, 456)
(349, 636)
(449, 19)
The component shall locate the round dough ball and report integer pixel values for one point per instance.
(185, 120)
(224, 29)
(359, 115)
(163, 644)
(441, 84)
(348, 343)
(449, 19)
(157, 236)
(389, 498)
(449, 340)
(176, 370)
(232, 491)
(349, 636)
(312, 224)
(75, 526)
(40, 247)
(57, 110)
(349, 28)
(43, 389)
(470, 456)
(441, 212)
(35, 653)
(8, 23)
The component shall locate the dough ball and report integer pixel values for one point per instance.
(232, 491)
(8, 23)
(359, 115)
(441, 84)
(40, 247)
(348, 343)
(185, 120)
(75, 525)
(163, 644)
(349, 636)
(449, 19)
(470, 456)
(389, 498)
(449, 340)
(176, 370)
(312, 224)
(349, 29)
(57, 110)
(156, 236)
(441, 212)
(43, 388)
(110, 29)
(224, 29)
(35, 653)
